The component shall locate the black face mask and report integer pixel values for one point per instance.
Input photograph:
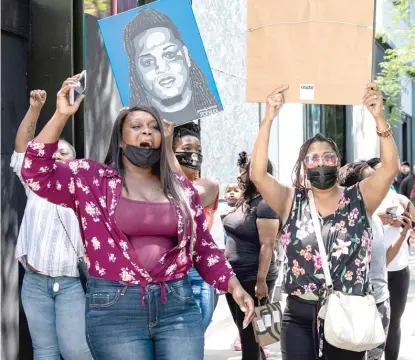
(141, 156)
(323, 177)
(190, 159)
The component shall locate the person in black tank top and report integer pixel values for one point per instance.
(344, 216)
(251, 231)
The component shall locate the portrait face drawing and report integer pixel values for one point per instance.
(162, 63)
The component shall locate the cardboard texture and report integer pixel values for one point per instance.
(322, 49)
(267, 323)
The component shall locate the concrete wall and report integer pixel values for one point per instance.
(226, 134)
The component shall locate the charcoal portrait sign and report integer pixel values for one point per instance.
(158, 59)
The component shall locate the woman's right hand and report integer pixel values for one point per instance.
(243, 299)
(37, 99)
(275, 102)
(62, 102)
(405, 222)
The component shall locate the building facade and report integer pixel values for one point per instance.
(223, 30)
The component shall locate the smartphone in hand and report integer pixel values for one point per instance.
(78, 90)
(392, 211)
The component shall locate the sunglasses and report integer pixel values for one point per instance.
(239, 178)
(313, 160)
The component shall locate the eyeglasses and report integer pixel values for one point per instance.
(328, 159)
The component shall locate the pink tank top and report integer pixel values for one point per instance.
(150, 227)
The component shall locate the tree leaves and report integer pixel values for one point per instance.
(398, 66)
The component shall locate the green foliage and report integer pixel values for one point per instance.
(398, 62)
(99, 8)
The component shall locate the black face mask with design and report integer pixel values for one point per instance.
(141, 156)
(323, 177)
(191, 160)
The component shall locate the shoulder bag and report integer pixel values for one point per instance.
(351, 322)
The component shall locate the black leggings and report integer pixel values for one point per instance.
(299, 334)
(250, 348)
(398, 284)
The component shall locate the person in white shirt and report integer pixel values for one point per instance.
(383, 252)
(48, 247)
(397, 259)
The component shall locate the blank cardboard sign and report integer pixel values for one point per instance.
(322, 49)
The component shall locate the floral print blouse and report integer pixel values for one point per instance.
(93, 190)
(348, 238)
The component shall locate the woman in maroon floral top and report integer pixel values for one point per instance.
(345, 226)
(143, 227)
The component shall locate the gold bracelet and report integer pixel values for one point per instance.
(385, 133)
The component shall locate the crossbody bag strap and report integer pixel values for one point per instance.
(66, 232)
(319, 236)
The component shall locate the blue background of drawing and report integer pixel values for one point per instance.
(181, 13)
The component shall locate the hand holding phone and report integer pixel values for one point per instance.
(408, 215)
(392, 211)
(78, 90)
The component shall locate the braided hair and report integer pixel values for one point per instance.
(298, 179)
(202, 98)
(189, 129)
(250, 191)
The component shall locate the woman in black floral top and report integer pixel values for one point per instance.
(345, 226)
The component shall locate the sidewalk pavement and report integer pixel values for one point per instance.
(222, 332)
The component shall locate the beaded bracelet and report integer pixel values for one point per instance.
(385, 133)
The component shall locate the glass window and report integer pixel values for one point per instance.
(329, 120)
(406, 137)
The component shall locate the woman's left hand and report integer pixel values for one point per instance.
(243, 299)
(168, 133)
(373, 100)
(261, 289)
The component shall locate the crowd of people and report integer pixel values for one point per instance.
(126, 258)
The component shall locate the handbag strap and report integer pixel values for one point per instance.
(66, 232)
(319, 236)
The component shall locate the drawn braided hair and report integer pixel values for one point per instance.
(202, 97)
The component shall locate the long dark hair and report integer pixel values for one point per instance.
(352, 173)
(202, 97)
(250, 191)
(171, 188)
(299, 181)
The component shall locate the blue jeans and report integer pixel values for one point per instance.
(204, 295)
(56, 319)
(155, 322)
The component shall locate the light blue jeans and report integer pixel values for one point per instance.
(154, 322)
(204, 295)
(56, 319)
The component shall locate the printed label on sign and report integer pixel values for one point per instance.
(276, 316)
(268, 321)
(307, 92)
(261, 325)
